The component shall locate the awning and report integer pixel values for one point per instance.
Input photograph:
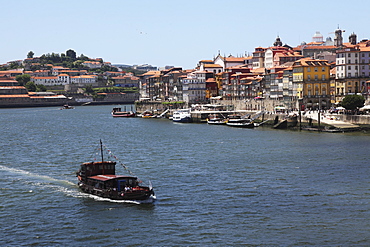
(366, 107)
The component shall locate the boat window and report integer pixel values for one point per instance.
(121, 185)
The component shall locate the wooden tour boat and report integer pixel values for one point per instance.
(216, 119)
(117, 112)
(240, 121)
(99, 178)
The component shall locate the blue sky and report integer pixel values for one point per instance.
(178, 33)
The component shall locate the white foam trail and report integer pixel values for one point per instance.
(69, 192)
(30, 174)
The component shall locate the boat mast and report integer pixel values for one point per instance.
(101, 151)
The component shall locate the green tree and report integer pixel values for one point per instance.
(40, 88)
(31, 86)
(14, 65)
(23, 79)
(71, 53)
(30, 54)
(352, 102)
(89, 89)
(83, 57)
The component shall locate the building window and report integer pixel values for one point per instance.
(316, 69)
(308, 69)
(323, 69)
(316, 77)
(349, 54)
(323, 77)
(309, 77)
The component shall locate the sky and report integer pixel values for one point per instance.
(174, 33)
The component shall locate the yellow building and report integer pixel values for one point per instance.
(312, 82)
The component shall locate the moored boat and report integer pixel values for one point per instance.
(100, 179)
(148, 114)
(182, 116)
(66, 106)
(239, 121)
(216, 119)
(117, 112)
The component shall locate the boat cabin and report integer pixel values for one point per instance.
(118, 183)
(97, 168)
(116, 109)
(101, 176)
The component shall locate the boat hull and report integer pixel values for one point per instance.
(241, 125)
(183, 120)
(217, 122)
(135, 194)
(123, 114)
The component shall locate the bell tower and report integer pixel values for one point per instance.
(278, 42)
(338, 40)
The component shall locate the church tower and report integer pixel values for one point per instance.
(278, 42)
(353, 39)
(338, 40)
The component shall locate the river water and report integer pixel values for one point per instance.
(215, 185)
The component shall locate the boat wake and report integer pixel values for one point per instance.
(98, 198)
(33, 175)
(60, 185)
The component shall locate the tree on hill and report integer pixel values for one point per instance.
(30, 54)
(31, 86)
(71, 53)
(83, 58)
(23, 79)
(41, 88)
(352, 102)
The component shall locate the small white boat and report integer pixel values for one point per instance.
(182, 116)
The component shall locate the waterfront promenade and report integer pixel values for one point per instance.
(330, 119)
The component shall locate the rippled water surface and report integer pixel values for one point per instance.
(215, 185)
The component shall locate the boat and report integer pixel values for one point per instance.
(240, 121)
(117, 112)
(216, 119)
(65, 107)
(148, 114)
(100, 179)
(182, 116)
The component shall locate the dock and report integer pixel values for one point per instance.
(332, 120)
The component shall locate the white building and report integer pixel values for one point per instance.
(92, 64)
(47, 80)
(194, 87)
(64, 79)
(84, 79)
